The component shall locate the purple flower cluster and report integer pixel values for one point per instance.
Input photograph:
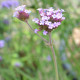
(50, 19)
(10, 3)
(2, 43)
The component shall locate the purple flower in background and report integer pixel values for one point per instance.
(66, 66)
(10, 3)
(63, 57)
(17, 64)
(6, 21)
(0, 58)
(8, 38)
(49, 58)
(2, 43)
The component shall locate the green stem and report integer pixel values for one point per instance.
(37, 33)
(54, 56)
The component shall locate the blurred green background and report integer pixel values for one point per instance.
(24, 56)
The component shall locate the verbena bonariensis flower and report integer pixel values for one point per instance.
(21, 13)
(50, 19)
(2, 43)
(10, 3)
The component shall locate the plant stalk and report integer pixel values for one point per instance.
(37, 33)
(54, 56)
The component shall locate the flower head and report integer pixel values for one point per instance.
(21, 13)
(50, 19)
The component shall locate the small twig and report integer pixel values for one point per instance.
(54, 57)
(37, 33)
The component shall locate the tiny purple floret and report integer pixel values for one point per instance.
(45, 32)
(36, 30)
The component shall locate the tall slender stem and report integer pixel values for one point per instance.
(37, 33)
(54, 56)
